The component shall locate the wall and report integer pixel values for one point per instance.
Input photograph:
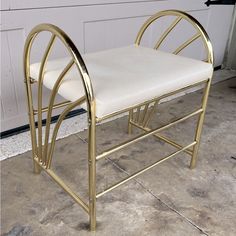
(230, 57)
(93, 25)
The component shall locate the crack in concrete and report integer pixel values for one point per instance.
(167, 205)
(80, 138)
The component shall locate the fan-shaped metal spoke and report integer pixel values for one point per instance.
(57, 126)
(143, 115)
(51, 102)
(149, 114)
(187, 43)
(167, 31)
(40, 89)
(200, 32)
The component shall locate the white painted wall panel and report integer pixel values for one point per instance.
(219, 27)
(93, 25)
(29, 4)
(111, 33)
(8, 88)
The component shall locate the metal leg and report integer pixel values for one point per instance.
(200, 125)
(130, 130)
(92, 173)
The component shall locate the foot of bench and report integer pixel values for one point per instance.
(200, 125)
(37, 169)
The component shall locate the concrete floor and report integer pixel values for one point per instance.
(168, 200)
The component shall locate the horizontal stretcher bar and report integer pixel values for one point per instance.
(60, 182)
(144, 170)
(142, 136)
(58, 105)
(167, 140)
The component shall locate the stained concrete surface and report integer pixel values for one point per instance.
(168, 200)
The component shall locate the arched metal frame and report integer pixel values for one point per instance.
(43, 158)
(180, 15)
(139, 115)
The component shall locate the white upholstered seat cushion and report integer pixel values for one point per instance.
(126, 76)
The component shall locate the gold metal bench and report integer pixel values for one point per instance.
(96, 82)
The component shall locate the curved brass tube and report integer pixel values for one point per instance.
(72, 50)
(51, 102)
(58, 124)
(180, 16)
(76, 59)
(164, 35)
(40, 91)
(42, 159)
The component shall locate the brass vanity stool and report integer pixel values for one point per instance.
(96, 82)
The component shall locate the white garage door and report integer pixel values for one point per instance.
(93, 25)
